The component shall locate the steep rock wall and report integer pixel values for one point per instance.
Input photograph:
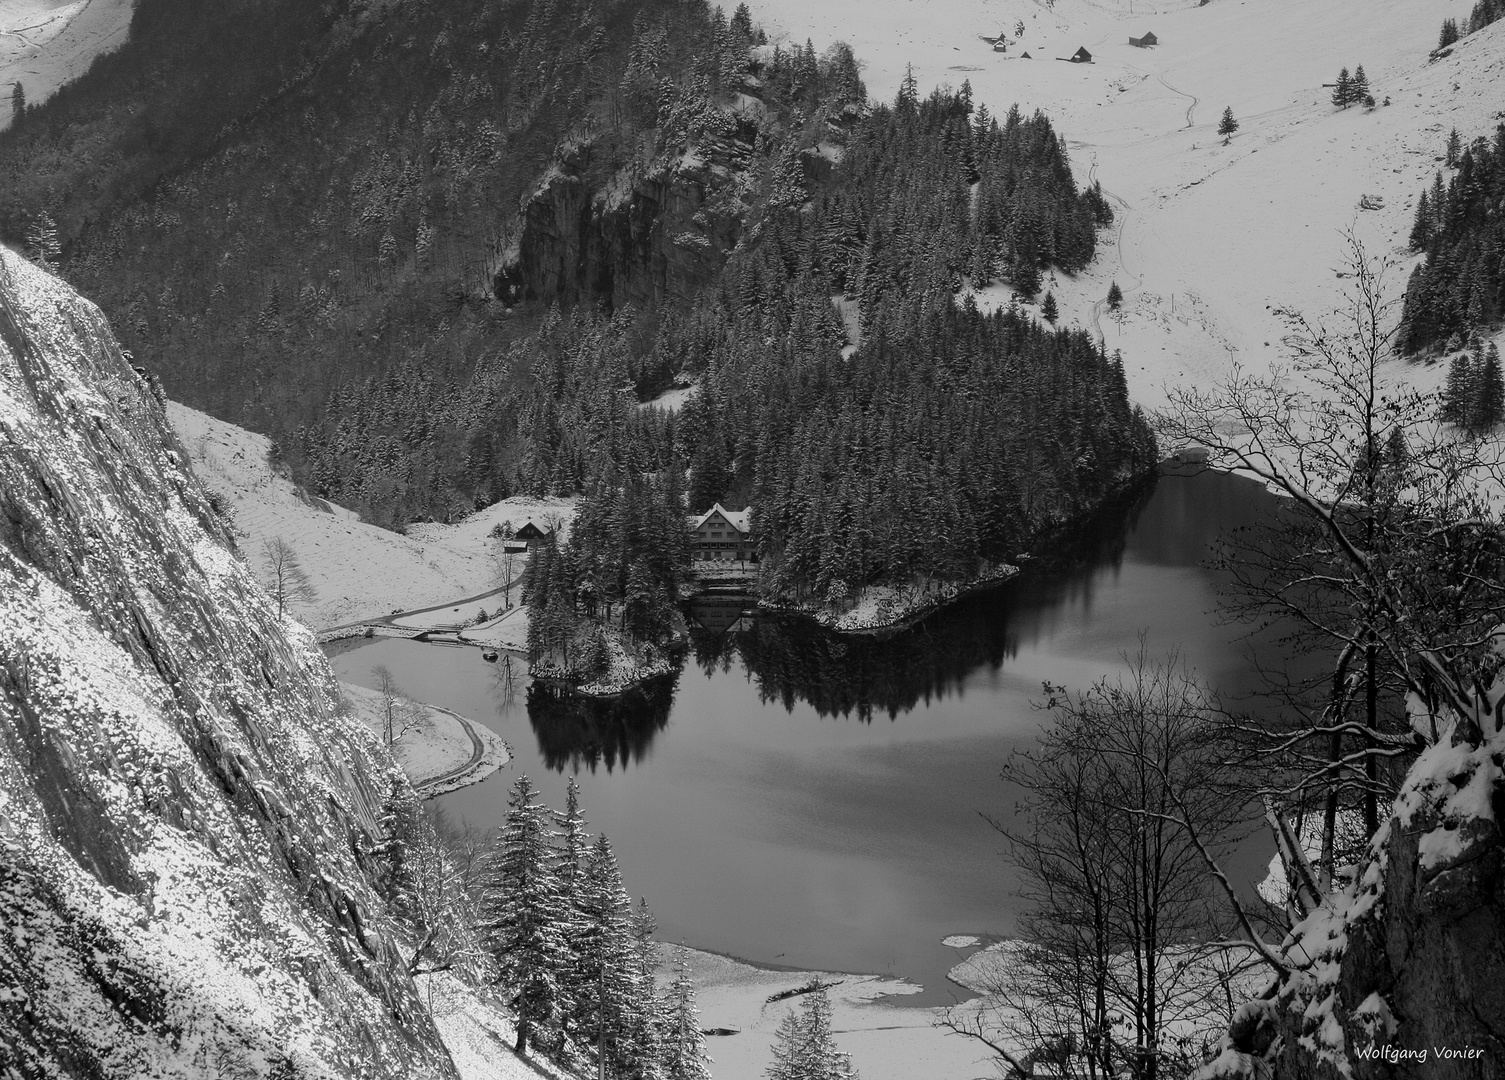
(635, 237)
(185, 814)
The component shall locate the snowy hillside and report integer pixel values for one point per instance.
(185, 814)
(356, 570)
(46, 43)
(1211, 240)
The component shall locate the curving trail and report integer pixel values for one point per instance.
(1195, 101)
(1121, 222)
(477, 752)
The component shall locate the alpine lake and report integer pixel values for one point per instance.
(799, 798)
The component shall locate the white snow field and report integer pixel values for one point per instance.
(357, 570)
(1211, 240)
(46, 43)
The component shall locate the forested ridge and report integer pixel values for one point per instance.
(1460, 225)
(324, 266)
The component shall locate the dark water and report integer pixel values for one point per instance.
(801, 799)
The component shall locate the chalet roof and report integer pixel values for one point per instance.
(1081, 54)
(737, 518)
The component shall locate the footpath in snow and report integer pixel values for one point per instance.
(439, 750)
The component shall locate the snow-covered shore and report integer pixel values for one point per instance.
(887, 1041)
(438, 750)
(888, 607)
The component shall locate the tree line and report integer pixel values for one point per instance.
(1460, 285)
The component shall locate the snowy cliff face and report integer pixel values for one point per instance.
(185, 817)
(1401, 973)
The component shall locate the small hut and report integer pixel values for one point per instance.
(1144, 42)
(1081, 56)
(1001, 45)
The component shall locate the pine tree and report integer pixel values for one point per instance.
(400, 827)
(17, 102)
(1360, 88)
(1115, 296)
(804, 1047)
(909, 90)
(1228, 125)
(523, 918)
(1454, 149)
(1421, 229)
(42, 241)
(684, 1056)
(1048, 309)
(1489, 402)
(1449, 33)
(1343, 91)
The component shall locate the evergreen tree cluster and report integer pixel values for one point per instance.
(1460, 286)
(1352, 89)
(1474, 396)
(573, 957)
(626, 557)
(1484, 12)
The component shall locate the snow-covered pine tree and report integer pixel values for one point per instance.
(1454, 149)
(17, 102)
(1228, 125)
(1343, 90)
(616, 1008)
(1049, 311)
(805, 1049)
(524, 918)
(1115, 296)
(1449, 33)
(42, 241)
(683, 1055)
(400, 827)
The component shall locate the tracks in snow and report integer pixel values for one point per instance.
(1122, 222)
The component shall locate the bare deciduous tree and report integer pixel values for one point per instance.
(399, 714)
(1392, 561)
(1119, 969)
(284, 575)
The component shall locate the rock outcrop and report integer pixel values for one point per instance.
(1402, 972)
(638, 235)
(186, 817)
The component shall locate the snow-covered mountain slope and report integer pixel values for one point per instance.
(46, 43)
(185, 815)
(1211, 241)
(356, 570)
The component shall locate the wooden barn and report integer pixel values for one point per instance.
(530, 531)
(1001, 45)
(1081, 56)
(1144, 42)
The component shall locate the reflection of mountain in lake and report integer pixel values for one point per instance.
(795, 659)
(575, 732)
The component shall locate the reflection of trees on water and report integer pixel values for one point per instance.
(577, 732)
(840, 675)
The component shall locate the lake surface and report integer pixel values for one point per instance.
(800, 799)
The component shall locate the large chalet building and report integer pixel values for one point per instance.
(722, 535)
